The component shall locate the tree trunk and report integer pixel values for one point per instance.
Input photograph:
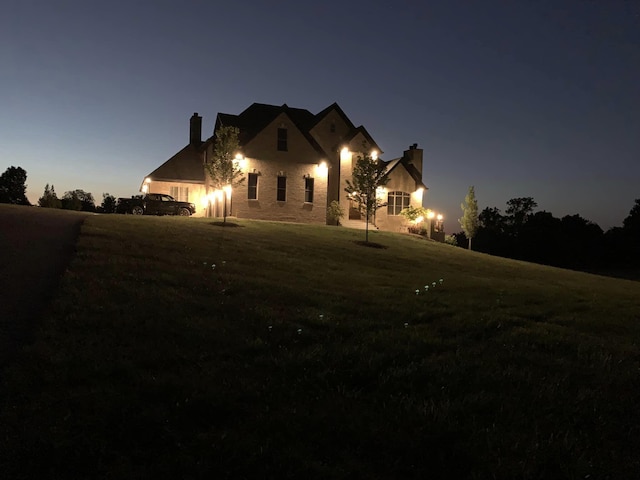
(224, 213)
(469, 243)
(366, 227)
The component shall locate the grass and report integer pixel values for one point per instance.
(179, 349)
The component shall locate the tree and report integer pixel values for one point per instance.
(13, 187)
(108, 203)
(78, 200)
(368, 175)
(49, 199)
(631, 224)
(469, 220)
(518, 209)
(225, 173)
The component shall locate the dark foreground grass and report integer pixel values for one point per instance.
(180, 349)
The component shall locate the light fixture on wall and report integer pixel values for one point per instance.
(306, 175)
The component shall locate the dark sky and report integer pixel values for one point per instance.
(518, 98)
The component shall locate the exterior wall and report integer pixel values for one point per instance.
(263, 157)
(400, 181)
(330, 143)
(197, 193)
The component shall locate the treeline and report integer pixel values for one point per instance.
(569, 242)
(13, 190)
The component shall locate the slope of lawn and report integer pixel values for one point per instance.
(181, 349)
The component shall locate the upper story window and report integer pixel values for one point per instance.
(397, 201)
(281, 194)
(282, 139)
(308, 190)
(252, 190)
(332, 128)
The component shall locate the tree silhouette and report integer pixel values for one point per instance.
(13, 186)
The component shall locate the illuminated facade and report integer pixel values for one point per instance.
(294, 164)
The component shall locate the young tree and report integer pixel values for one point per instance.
(469, 220)
(49, 199)
(13, 187)
(108, 203)
(368, 175)
(225, 173)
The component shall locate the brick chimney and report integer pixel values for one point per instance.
(414, 156)
(195, 130)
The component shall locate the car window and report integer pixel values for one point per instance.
(167, 198)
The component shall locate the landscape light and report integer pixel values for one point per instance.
(227, 189)
(430, 214)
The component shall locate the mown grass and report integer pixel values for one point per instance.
(304, 355)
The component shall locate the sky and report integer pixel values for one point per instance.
(517, 98)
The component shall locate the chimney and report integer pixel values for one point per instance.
(195, 130)
(414, 156)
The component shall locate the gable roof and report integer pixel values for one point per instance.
(256, 118)
(184, 166)
(409, 167)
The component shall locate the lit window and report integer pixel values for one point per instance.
(181, 194)
(397, 201)
(281, 195)
(308, 190)
(252, 193)
(282, 139)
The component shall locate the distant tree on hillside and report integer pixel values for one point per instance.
(469, 221)
(49, 199)
(78, 200)
(518, 209)
(13, 186)
(631, 224)
(108, 203)
(368, 175)
(223, 168)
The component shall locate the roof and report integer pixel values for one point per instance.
(409, 167)
(255, 118)
(184, 166)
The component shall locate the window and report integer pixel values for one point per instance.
(396, 202)
(282, 189)
(308, 190)
(181, 194)
(332, 128)
(252, 193)
(282, 139)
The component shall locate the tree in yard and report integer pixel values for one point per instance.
(368, 175)
(108, 203)
(225, 173)
(469, 221)
(13, 187)
(49, 199)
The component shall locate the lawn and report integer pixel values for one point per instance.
(177, 348)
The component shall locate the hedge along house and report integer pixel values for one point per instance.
(295, 164)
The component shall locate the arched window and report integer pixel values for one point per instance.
(397, 201)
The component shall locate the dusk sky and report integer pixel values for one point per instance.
(518, 98)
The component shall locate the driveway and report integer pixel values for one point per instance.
(36, 245)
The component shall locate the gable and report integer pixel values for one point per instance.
(300, 149)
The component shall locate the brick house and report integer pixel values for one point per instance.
(294, 162)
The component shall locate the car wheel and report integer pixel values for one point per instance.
(137, 210)
(184, 212)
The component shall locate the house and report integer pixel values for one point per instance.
(294, 162)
